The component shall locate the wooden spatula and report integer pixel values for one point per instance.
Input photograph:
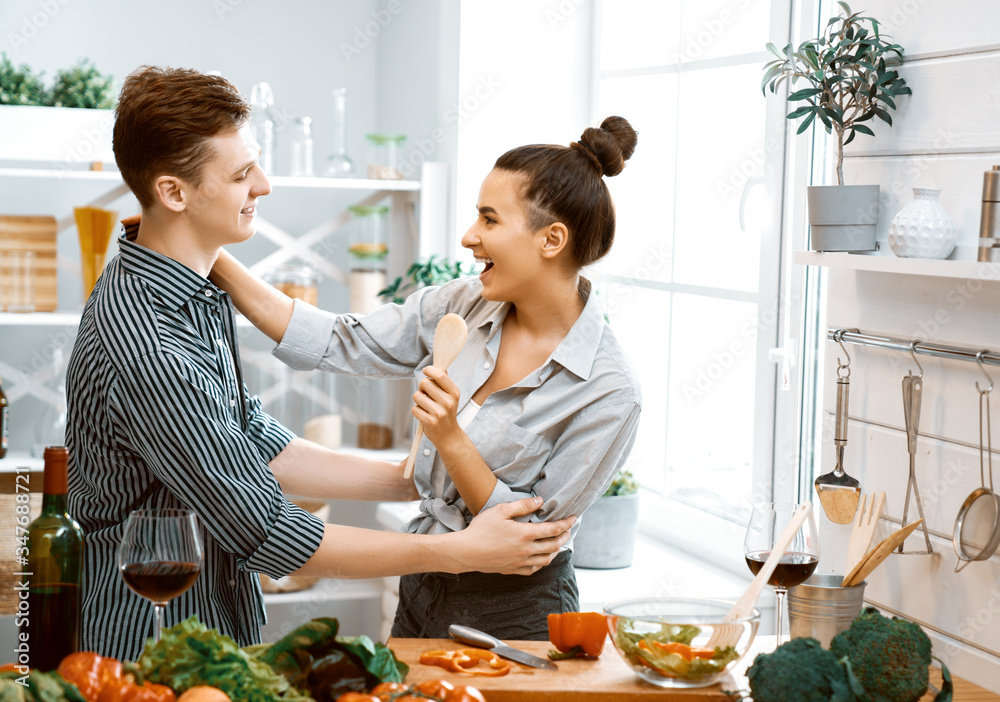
(878, 554)
(449, 338)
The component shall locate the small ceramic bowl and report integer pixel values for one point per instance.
(665, 641)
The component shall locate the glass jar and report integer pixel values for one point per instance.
(368, 253)
(384, 156)
(374, 428)
(296, 281)
(301, 148)
(262, 124)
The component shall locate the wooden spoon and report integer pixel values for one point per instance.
(878, 554)
(449, 338)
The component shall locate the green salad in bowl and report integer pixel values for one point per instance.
(669, 641)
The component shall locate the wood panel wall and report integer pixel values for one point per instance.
(946, 135)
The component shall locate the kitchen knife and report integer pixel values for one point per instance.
(475, 637)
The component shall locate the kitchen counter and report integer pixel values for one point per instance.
(607, 679)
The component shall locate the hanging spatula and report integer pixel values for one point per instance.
(838, 492)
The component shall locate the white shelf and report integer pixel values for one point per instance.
(901, 266)
(327, 590)
(276, 181)
(20, 459)
(40, 319)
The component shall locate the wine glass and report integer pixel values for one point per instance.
(160, 556)
(799, 560)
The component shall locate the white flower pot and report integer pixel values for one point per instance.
(606, 537)
(842, 217)
(923, 229)
(65, 137)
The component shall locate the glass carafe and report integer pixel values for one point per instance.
(262, 124)
(339, 165)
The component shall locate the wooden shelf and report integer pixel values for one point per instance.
(901, 266)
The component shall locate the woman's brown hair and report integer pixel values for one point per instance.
(163, 121)
(565, 184)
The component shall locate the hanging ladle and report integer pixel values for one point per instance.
(913, 387)
(838, 492)
(965, 556)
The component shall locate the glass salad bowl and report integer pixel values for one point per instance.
(674, 642)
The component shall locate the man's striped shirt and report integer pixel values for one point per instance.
(159, 417)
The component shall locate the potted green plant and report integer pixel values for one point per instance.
(433, 271)
(69, 124)
(848, 84)
(606, 537)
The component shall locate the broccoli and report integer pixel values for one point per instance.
(801, 670)
(889, 656)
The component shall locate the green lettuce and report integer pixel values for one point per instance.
(670, 664)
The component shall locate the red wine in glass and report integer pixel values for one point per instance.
(160, 556)
(799, 560)
(793, 568)
(160, 581)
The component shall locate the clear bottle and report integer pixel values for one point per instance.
(368, 253)
(55, 565)
(4, 422)
(301, 148)
(262, 124)
(339, 165)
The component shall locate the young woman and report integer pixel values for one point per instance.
(541, 400)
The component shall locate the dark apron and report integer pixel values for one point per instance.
(506, 606)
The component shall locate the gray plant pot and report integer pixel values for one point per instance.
(842, 217)
(606, 537)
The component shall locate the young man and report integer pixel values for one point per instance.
(159, 416)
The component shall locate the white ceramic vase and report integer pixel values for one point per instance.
(923, 229)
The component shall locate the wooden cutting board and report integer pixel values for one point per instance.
(20, 233)
(607, 679)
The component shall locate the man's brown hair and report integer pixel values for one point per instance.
(164, 119)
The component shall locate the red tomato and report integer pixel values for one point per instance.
(357, 697)
(465, 693)
(437, 688)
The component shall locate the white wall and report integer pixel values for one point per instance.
(944, 136)
(524, 78)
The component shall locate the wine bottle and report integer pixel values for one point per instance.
(4, 419)
(55, 563)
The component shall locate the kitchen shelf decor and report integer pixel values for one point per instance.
(848, 84)
(923, 228)
(893, 265)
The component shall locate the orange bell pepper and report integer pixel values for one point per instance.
(101, 679)
(686, 652)
(466, 660)
(577, 633)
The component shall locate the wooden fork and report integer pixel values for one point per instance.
(863, 530)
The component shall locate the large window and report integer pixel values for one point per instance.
(695, 287)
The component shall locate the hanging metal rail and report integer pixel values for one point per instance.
(926, 348)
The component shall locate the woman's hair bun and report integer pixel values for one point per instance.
(613, 143)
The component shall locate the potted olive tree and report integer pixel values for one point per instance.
(847, 84)
(69, 124)
(606, 537)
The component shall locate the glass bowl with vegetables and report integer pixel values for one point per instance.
(666, 640)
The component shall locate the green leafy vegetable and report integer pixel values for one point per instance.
(653, 650)
(314, 658)
(41, 687)
(190, 654)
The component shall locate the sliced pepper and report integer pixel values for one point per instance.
(577, 633)
(686, 652)
(465, 660)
